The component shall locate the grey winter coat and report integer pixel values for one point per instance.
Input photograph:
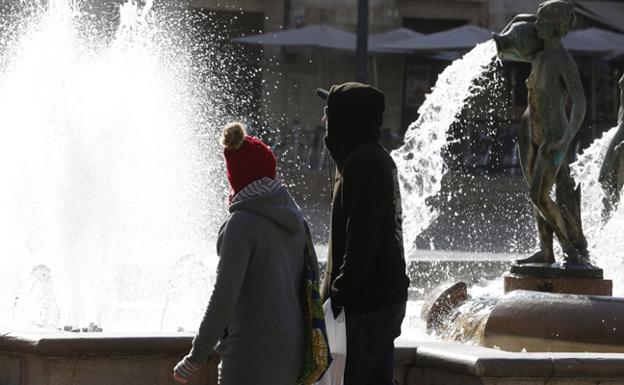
(255, 310)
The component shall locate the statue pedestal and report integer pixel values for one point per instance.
(558, 278)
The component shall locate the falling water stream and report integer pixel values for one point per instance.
(420, 162)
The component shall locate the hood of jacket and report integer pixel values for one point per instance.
(276, 205)
(354, 116)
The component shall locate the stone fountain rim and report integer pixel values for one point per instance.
(456, 357)
(486, 362)
(67, 344)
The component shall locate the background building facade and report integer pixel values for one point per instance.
(282, 89)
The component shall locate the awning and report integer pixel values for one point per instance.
(461, 38)
(378, 41)
(609, 13)
(326, 36)
(593, 41)
(322, 35)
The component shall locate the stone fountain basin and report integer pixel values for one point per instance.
(445, 363)
(118, 359)
(62, 358)
(539, 321)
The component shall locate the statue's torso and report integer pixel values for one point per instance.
(547, 97)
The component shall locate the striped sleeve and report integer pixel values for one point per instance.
(186, 368)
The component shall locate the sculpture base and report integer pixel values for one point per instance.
(558, 278)
(557, 270)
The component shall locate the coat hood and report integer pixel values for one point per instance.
(277, 206)
(354, 115)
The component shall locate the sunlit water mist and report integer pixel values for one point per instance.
(112, 188)
(605, 239)
(419, 161)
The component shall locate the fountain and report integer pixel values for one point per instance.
(110, 174)
(113, 188)
(540, 320)
(118, 192)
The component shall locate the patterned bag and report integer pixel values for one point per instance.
(317, 354)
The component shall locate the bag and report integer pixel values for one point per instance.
(337, 337)
(317, 355)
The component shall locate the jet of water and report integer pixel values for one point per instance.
(419, 161)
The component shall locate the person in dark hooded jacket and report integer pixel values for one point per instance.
(365, 272)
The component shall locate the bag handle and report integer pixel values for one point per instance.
(309, 254)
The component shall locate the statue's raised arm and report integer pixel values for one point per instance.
(519, 18)
(518, 41)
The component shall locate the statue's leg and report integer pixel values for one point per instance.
(526, 148)
(544, 174)
(569, 199)
(545, 236)
(545, 232)
(527, 151)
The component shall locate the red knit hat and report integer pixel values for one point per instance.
(247, 158)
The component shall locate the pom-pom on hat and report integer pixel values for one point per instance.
(247, 158)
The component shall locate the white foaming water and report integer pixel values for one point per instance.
(414, 328)
(110, 197)
(485, 292)
(421, 165)
(605, 239)
(419, 161)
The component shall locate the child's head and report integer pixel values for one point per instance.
(247, 158)
(555, 18)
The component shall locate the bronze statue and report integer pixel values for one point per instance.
(546, 129)
(612, 171)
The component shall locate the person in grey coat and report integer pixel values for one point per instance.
(254, 319)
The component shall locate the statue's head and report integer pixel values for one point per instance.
(555, 18)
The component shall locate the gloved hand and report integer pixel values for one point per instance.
(184, 370)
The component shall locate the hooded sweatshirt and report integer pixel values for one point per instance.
(255, 311)
(366, 265)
